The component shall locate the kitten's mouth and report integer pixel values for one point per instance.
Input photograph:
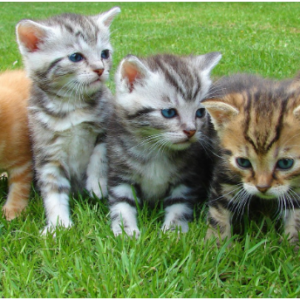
(186, 141)
(95, 81)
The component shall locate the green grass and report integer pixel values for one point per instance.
(87, 260)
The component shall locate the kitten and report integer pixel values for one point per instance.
(15, 147)
(153, 146)
(258, 124)
(68, 57)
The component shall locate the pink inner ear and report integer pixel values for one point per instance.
(29, 37)
(131, 73)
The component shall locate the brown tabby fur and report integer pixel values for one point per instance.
(15, 149)
(258, 120)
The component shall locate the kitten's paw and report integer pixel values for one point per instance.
(50, 228)
(97, 187)
(293, 240)
(129, 231)
(180, 226)
(213, 234)
(11, 212)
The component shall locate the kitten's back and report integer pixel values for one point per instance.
(14, 93)
(15, 147)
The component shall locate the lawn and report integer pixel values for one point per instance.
(87, 260)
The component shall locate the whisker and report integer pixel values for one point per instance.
(228, 193)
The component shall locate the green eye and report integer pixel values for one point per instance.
(243, 162)
(285, 163)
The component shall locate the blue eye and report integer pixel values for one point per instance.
(105, 54)
(76, 57)
(200, 113)
(285, 163)
(243, 162)
(169, 113)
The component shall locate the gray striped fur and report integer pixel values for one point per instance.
(150, 157)
(69, 106)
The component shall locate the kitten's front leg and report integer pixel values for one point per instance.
(55, 188)
(218, 221)
(19, 181)
(178, 210)
(97, 172)
(123, 210)
(292, 224)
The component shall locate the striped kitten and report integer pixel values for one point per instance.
(258, 124)
(15, 147)
(153, 147)
(68, 57)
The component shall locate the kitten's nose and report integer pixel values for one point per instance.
(99, 71)
(189, 133)
(263, 188)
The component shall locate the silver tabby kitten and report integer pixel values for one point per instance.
(68, 57)
(153, 146)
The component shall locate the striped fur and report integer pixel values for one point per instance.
(257, 120)
(15, 148)
(69, 105)
(153, 158)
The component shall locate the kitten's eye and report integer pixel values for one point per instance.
(76, 57)
(285, 163)
(169, 113)
(200, 113)
(243, 162)
(105, 54)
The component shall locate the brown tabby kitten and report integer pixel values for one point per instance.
(258, 125)
(15, 149)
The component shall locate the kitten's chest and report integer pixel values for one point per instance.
(78, 143)
(155, 179)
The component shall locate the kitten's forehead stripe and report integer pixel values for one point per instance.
(263, 103)
(171, 79)
(78, 25)
(248, 104)
(179, 72)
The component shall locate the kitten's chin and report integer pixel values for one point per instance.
(180, 146)
(94, 87)
(266, 197)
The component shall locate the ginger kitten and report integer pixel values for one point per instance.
(15, 147)
(258, 125)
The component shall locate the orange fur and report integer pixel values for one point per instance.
(15, 148)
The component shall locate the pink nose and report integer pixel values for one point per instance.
(262, 188)
(189, 133)
(99, 71)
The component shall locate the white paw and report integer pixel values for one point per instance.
(97, 187)
(180, 226)
(50, 228)
(129, 231)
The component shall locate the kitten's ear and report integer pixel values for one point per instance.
(220, 112)
(107, 17)
(208, 61)
(132, 71)
(30, 34)
(296, 112)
